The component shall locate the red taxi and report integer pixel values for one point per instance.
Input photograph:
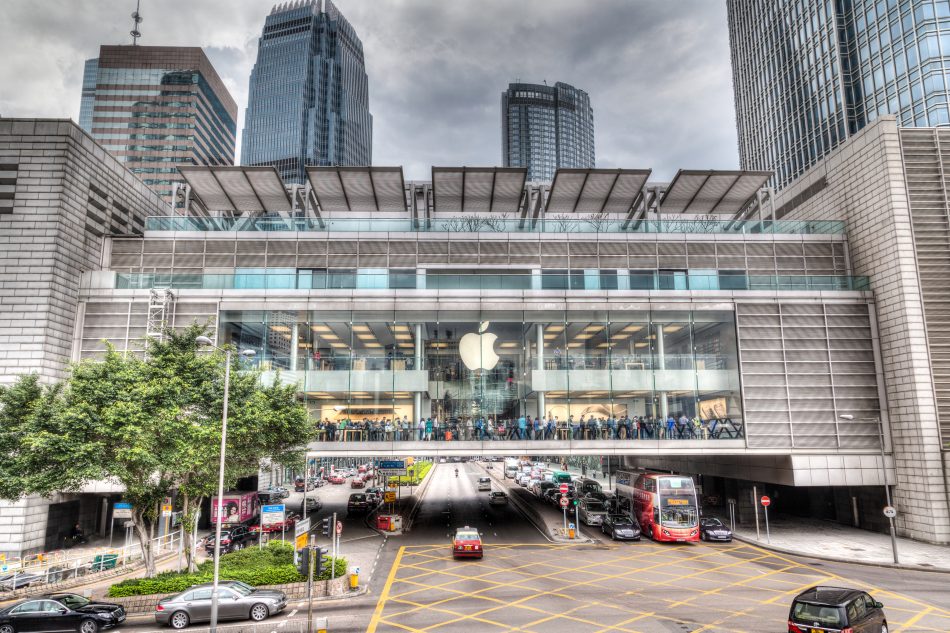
(336, 479)
(467, 543)
(357, 482)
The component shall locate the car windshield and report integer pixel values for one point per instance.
(621, 521)
(594, 506)
(357, 497)
(466, 536)
(241, 589)
(73, 601)
(712, 523)
(820, 614)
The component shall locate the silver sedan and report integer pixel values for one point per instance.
(236, 601)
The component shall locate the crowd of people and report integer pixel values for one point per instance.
(396, 429)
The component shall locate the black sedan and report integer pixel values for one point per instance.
(620, 527)
(60, 612)
(712, 529)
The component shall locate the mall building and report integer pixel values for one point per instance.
(798, 321)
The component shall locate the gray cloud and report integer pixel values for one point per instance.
(657, 71)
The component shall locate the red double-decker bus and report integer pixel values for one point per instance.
(665, 506)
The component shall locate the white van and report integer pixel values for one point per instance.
(484, 483)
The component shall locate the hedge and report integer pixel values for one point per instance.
(272, 565)
(421, 469)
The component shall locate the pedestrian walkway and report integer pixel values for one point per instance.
(824, 539)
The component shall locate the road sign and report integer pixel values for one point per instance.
(389, 497)
(122, 511)
(300, 541)
(302, 527)
(890, 512)
(396, 464)
(339, 528)
(564, 489)
(765, 501)
(273, 514)
(564, 502)
(166, 510)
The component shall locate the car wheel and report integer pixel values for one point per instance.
(6, 628)
(702, 536)
(179, 620)
(88, 626)
(884, 628)
(613, 535)
(259, 612)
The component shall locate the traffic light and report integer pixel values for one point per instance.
(303, 562)
(326, 526)
(319, 553)
(575, 502)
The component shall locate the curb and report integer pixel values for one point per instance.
(419, 493)
(833, 559)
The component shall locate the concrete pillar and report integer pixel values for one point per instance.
(540, 366)
(541, 406)
(294, 342)
(417, 365)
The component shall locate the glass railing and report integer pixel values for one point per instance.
(509, 430)
(574, 361)
(374, 281)
(494, 225)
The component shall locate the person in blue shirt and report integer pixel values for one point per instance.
(522, 426)
(670, 425)
(479, 425)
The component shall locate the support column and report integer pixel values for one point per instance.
(661, 364)
(540, 367)
(294, 346)
(417, 365)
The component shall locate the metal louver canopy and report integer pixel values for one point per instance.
(358, 189)
(595, 190)
(712, 191)
(478, 189)
(238, 190)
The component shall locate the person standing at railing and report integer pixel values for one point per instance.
(421, 428)
(612, 426)
(670, 425)
(522, 427)
(428, 429)
(479, 425)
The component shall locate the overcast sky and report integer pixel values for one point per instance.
(657, 71)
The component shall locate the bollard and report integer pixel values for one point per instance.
(355, 578)
(570, 533)
(320, 625)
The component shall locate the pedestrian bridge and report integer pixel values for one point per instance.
(469, 448)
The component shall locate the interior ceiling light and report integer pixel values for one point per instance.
(593, 328)
(672, 328)
(632, 328)
(280, 328)
(403, 337)
(361, 328)
(554, 328)
(583, 337)
(320, 328)
(338, 345)
(366, 337)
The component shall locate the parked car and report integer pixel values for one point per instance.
(620, 527)
(497, 498)
(836, 610)
(236, 601)
(358, 502)
(591, 511)
(712, 529)
(60, 612)
(233, 538)
(10, 581)
(467, 543)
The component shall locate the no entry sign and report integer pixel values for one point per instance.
(766, 501)
(563, 489)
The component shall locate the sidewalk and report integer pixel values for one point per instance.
(831, 541)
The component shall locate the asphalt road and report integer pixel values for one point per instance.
(526, 583)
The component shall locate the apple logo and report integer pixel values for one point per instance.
(478, 350)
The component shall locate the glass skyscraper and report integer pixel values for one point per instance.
(308, 100)
(546, 127)
(156, 107)
(808, 74)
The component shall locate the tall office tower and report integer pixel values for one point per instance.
(808, 74)
(546, 127)
(308, 101)
(155, 107)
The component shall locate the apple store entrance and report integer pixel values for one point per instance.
(464, 365)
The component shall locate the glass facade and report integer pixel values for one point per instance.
(465, 365)
(809, 73)
(546, 127)
(155, 108)
(308, 100)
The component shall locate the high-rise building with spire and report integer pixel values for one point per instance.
(308, 101)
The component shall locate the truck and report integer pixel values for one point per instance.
(511, 467)
(238, 508)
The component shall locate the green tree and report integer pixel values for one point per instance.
(153, 426)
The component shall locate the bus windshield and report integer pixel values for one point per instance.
(562, 478)
(678, 517)
(678, 484)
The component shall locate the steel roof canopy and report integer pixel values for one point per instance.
(358, 189)
(595, 190)
(712, 191)
(478, 189)
(241, 190)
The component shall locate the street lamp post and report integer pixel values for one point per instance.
(887, 489)
(204, 341)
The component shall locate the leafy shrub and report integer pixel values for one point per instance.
(420, 471)
(272, 565)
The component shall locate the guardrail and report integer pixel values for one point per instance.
(51, 569)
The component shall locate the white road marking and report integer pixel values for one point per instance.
(292, 613)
